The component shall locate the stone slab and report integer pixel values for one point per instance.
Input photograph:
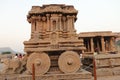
(104, 72)
(116, 71)
(84, 75)
(102, 63)
(109, 78)
(102, 56)
(72, 76)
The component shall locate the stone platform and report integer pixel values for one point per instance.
(84, 75)
(109, 78)
(108, 65)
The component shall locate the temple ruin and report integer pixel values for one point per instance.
(54, 49)
(103, 41)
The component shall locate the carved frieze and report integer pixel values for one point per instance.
(53, 8)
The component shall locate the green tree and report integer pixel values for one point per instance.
(7, 52)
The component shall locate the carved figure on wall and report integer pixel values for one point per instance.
(11, 65)
(14, 65)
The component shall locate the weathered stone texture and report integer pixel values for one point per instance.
(73, 76)
(116, 70)
(108, 65)
(101, 42)
(54, 46)
(104, 72)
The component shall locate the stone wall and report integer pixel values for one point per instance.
(107, 65)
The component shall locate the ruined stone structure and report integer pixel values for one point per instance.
(103, 42)
(107, 66)
(118, 41)
(108, 60)
(54, 46)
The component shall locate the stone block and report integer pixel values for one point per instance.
(115, 62)
(73, 76)
(102, 63)
(116, 70)
(104, 72)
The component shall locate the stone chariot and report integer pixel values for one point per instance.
(54, 47)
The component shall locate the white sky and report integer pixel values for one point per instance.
(93, 15)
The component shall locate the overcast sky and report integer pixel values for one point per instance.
(93, 15)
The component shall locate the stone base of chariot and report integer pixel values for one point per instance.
(82, 75)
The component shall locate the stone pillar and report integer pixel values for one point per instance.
(103, 44)
(57, 25)
(51, 26)
(32, 26)
(60, 24)
(48, 22)
(69, 23)
(44, 24)
(106, 45)
(38, 24)
(92, 44)
(34, 23)
(112, 45)
(64, 24)
(72, 26)
(88, 45)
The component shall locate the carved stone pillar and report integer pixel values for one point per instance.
(69, 23)
(44, 24)
(106, 45)
(88, 45)
(39, 24)
(60, 24)
(72, 26)
(64, 24)
(48, 22)
(33, 26)
(102, 44)
(92, 44)
(57, 24)
(112, 45)
(51, 26)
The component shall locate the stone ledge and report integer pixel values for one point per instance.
(73, 76)
(81, 75)
(109, 78)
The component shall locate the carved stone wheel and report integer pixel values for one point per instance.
(69, 62)
(41, 62)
